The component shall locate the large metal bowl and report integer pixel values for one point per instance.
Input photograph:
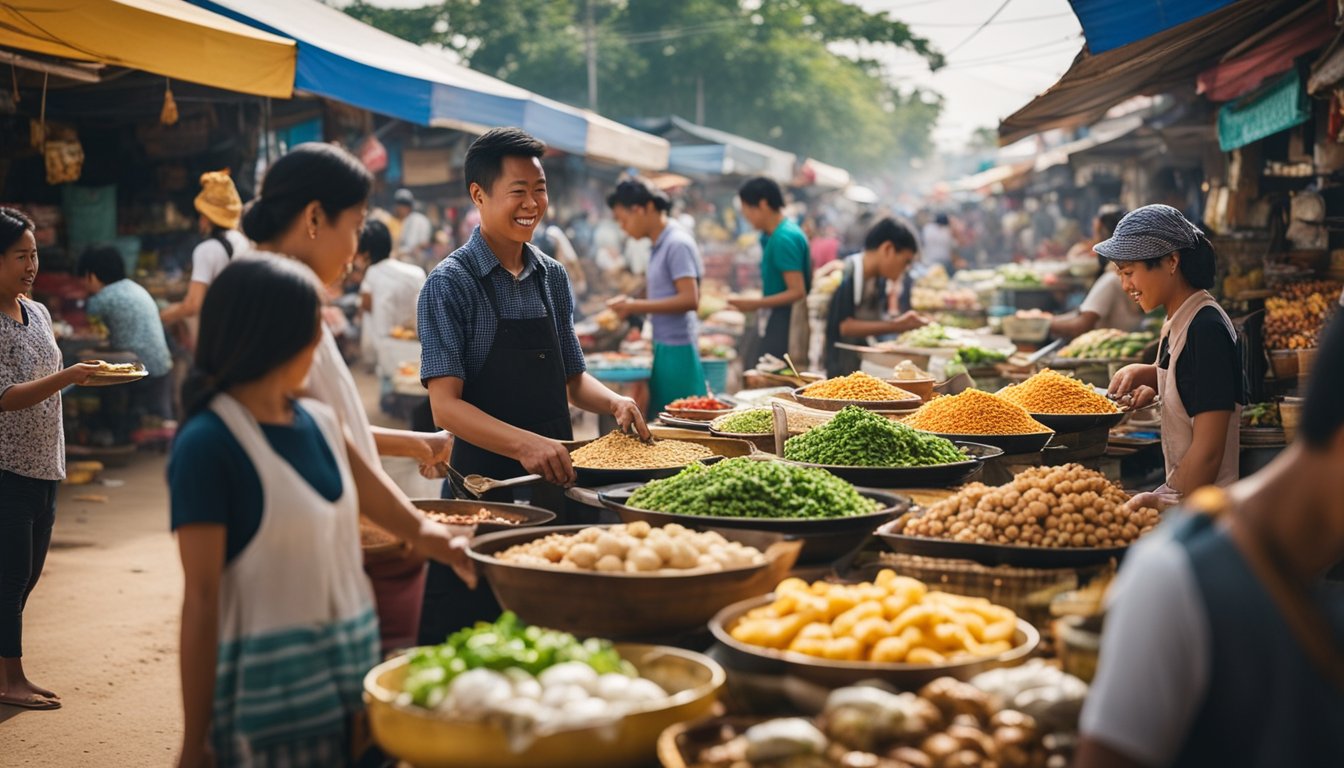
(1068, 423)
(523, 515)
(829, 404)
(626, 605)
(837, 674)
(428, 739)
(722, 448)
(935, 476)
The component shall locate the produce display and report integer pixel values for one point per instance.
(1018, 276)
(700, 403)
(1065, 506)
(971, 355)
(856, 386)
(1261, 415)
(761, 421)
(744, 487)
(974, 412)
(634, 548)
(947, 724)
(404, 333)
(1038, 689)
(617, 450)
(507, 644)
(528, 680)
(481, 515)
(892, 619)
(1107, 344)
(1297, 314)
(1051, 392)
(861, 438)
(930, 336)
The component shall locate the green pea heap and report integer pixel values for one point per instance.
(861, 438)
(744, 487)
(756, 422)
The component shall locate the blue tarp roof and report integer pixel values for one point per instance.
(1110, 24)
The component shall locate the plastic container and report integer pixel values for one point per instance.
(716, 373)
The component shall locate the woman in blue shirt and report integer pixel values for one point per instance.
(674, 275)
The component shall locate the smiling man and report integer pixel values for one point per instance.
(499, 354)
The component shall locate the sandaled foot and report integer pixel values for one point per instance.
(31, 701)
(43, 692)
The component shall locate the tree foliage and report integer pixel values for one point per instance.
(770, 70)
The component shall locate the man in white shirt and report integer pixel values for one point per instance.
(416, 232)
(390, 289)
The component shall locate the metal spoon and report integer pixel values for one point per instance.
(479, 485)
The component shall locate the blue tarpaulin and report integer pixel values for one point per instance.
(343, 59)
(1110, 24)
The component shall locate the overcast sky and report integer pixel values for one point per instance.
(1019, 54)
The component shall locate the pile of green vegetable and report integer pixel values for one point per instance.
(744, 487)
(972, 355)
(860, 438)
(931, 335)
(753, 422)
(506, 644)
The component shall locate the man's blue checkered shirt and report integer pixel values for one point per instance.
(457, 324)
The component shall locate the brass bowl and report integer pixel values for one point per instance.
(631, 605)
(428, 739)
(838, 674)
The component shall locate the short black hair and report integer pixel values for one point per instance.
(636, 192)
(375, 240)
(103, 262)
(485, 156)
(762, 188)
(1323, 411)
(889, 230)
(13, 223)
(1197, 264)
(1110, 215)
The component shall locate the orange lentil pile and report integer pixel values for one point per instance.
(856, 386)
(974, 412)
(1055, 393)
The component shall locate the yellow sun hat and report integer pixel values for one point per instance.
(219, 201)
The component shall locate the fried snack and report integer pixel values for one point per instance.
(106, 367)
(1052, 392)
(892, 619)
(1066, 506)
(617, 450)
(974, 412)
(856, 386)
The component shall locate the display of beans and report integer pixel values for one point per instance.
(1052, 392)
(617, 450)
(1065, 506)
(481, 515)
(744, 487)
(861, 438)
(761, 421)
(634, 548)
(856, 386)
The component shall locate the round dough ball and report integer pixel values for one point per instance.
(610, 564)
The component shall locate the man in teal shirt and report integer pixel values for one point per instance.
(786, 272)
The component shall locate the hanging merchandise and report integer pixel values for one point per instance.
(65, 159)
(373, 154)
(1306, 228)
(1335, 125)
(168, 115)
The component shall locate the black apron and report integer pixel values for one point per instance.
(522, 383)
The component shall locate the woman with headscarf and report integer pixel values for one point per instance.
(1106, 305)
(1165, 261)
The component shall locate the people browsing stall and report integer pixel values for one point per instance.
(219, 210)
(1165, 261)
(132, 320)
(858, 308)
(1106, 305)
(390, 287)
(310, 210)
(1222, 641)
(266, 495)
(938, 242)
(786, 272)
(32, 448)
(675, 269)
(415, 233)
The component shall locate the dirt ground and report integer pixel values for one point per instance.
(101, 627)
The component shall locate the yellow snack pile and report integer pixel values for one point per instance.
(1055, 393)
(856, 386)
(892, 619)
(974, 412)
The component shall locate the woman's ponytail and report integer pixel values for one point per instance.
(1198, 263)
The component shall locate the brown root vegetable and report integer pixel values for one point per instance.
(953, 697)
(966, 758)
(972, 738)
(939, 747)
(911, 757)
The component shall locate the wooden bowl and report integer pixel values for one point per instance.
(627, 605)
(828, 404)
(429, 739)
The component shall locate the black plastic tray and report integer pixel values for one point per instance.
(936, 476)
(1069, 423)
(1011, 444)
(999, 554)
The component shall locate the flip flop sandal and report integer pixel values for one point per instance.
(35, 703)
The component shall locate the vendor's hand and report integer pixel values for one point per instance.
(548, 458)
(1140, 397)
(627, 415)
(622, 306)
(448, 544)
(743, 303)
(912, 319)
(80, 372)
(1126, 380)
(1149, 499)
(435, 448)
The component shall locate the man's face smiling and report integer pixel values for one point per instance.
(517, 201)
